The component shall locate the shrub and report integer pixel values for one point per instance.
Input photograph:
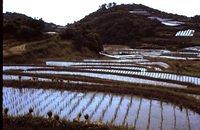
(56, 117)
(6, 111)
(49, 113)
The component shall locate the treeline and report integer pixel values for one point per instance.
(21, 27)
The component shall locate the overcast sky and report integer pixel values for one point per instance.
(62, 12)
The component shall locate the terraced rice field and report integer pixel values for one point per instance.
(129, 67)
(109, 108)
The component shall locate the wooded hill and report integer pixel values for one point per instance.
(130, 25)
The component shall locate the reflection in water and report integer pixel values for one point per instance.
(108, 108)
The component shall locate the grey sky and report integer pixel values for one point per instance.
(67, 11)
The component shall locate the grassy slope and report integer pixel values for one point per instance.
(38, 51)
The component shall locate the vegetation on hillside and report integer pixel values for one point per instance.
(110, 24)
(25, 41)
(195, 22)
(116, 25)
(21, 27)
(83, 37)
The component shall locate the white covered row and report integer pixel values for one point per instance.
(168, 76)
(114, 60)
(115, 67)
(161, 64)
(5, 67)
(111, 77)
(195, 48)
(121, 56)
(67, 64)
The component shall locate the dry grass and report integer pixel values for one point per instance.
(186, 67)
(38, 51)
(16, 50)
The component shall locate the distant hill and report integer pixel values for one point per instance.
(22, 27)
(137, 26)
(29, 40)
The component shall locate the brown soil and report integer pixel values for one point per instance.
(40, 123)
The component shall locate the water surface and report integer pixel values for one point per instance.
(108, 108)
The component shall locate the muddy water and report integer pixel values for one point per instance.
(108, 108)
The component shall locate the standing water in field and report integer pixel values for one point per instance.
(109, 108)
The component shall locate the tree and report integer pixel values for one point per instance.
(114, 4)
(6, 111)
(109, 5)
(10, 27)
(37, 25)
(196, 19)
(83, 38)
(25, 32)
(103, 6)
(196, 22)
(56, 117)
(49, 113)
(22, 27)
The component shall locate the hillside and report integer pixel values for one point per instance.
(139, 26)
(22, 27)
(30, 40)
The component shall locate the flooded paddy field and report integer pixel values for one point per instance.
(115, 73)
(103, 107)
(190, 53)
(38, 79)
(82, 83)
